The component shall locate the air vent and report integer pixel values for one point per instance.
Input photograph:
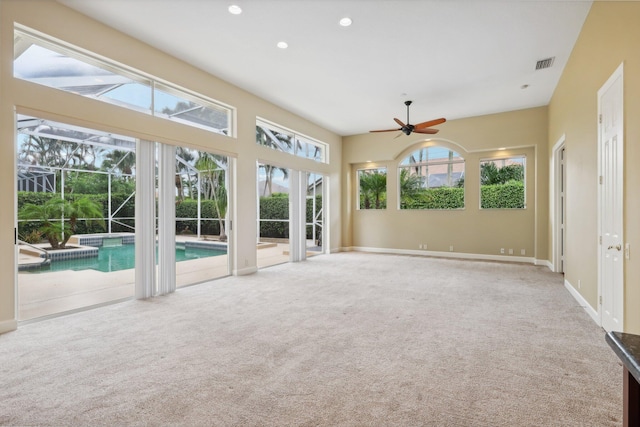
(545, 63)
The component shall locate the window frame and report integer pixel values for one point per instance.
(503, 158)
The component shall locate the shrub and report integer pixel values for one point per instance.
(502, 196)
(435, 198)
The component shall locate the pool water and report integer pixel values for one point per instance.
(116, 258)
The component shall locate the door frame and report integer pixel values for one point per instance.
(617, 74)
(557, 207)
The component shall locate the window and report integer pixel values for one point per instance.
(177, 105)
(46, 63)
(432, 178)
(502, 183)
(288, 141)
(372, 185)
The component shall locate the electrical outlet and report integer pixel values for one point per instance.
(451, 248)
(424, 246)
(523, 252)
(420, 246)
(501, 250)
(510, 251)
(627, 250)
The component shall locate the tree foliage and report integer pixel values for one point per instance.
(59, 218)
(490, 174)
(373, 189)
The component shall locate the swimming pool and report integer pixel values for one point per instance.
(116, 258)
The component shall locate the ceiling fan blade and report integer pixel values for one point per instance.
(399, 122)
(430, 123)
(386, 130)
(429, 131)
(398, 135)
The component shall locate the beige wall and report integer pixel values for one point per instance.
(609, 37)
(53, 19)
(470, 230)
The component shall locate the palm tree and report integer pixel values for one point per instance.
(269, 171)
(410, 184)
(120, 160)
(490, 174)
(184, 157)
(83, 208)
(41, 151)
(373, 184)
(49, 214)
(52, 214)
(212, 170)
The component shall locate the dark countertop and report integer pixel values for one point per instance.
(627, 347)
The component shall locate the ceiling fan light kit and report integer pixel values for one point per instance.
(408, 128)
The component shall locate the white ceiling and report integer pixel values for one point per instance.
(453, 58)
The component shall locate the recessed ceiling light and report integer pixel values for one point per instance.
(282, 45)
(234, 9)
(345, 22)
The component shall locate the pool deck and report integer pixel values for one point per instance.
(45, 294)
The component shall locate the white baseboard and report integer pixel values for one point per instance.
(460, 255)
(582, 302)
(245, 271)
(8, 326)
(545, 262)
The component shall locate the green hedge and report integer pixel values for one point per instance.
(189, 209)
(502, 196)
(277, 208)
(435, 198)
(499, 196)
(274, 208)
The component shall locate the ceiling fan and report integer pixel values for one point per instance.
(407, 129)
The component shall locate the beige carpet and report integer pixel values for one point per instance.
(349, 339)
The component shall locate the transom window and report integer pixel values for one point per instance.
(432, 178)
(502, 183)
(288, 141)
(44, 62)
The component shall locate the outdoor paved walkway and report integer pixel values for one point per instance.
(43, 294)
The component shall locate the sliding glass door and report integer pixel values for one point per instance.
(76, 217)
(105, 217)
(201, 223)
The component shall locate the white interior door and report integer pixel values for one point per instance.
(562, 211)
(611, 286)
(559, 206)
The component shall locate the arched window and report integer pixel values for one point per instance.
(432, 178)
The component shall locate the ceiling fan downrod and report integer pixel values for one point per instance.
(408, 128)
